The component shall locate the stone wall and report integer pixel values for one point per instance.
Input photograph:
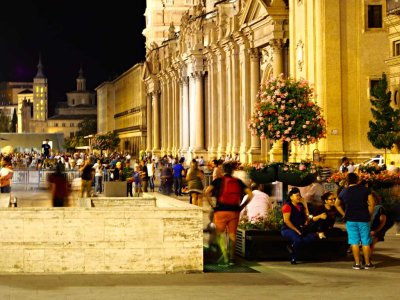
(164, 237)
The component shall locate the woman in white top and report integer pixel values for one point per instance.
(259, 205)
(98, 176)
(150, 173)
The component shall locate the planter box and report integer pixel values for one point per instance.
(294, 179)
(266, 176)
(115, 188)
(265, 245)
(260, 244)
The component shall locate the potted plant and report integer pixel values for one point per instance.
(285, 111)
(298, 174)
(261, 173)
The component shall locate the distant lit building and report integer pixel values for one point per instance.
(80, 106)
(122, 108)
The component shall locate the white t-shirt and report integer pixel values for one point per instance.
(258, 205)
(150, 169)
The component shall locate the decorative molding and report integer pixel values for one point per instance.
(267, 55)
(254, 53)
(300, 55)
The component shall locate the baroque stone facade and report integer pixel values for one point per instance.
(202, 79)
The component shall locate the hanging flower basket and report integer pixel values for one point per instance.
(266, 175)
(295, 177)
(285, 111)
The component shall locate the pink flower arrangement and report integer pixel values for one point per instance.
(285, 111)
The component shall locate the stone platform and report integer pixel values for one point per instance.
(137, 235)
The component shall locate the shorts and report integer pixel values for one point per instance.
(358, 232)
(226, 219)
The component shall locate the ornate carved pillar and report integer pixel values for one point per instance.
(155, 102)
(277, 47)
(169, 118)
(255, 147)
(228, 102)
(177, 115)
(245, 99)
(235, 92)
(199, 112)
(222, 103)
(185, 115)
(149, 121)
(164, 115)
(213, 105)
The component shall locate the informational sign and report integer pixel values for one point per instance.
(330, 187)
(316, 155)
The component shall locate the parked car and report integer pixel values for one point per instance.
(378, 158)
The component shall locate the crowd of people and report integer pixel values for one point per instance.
(366, 219)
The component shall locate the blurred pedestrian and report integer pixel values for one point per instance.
(59, 187)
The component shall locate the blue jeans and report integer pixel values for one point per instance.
(178, 185)
(298, 241)
(98, 184)
(151, 183)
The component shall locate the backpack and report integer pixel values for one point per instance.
(231, 191)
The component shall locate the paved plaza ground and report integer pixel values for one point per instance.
(274, 280)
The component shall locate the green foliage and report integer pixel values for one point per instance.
(76, 141)
(108, 141)
(4, 122)
(385, 131)
(271, 221)
(87, 127)
(14, 122)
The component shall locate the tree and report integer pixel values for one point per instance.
(4, 122)
(76, 141)
(87, 127)
(385, 131)
(14, 121)
(108, 141)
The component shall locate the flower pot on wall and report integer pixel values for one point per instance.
(263, 176)
(296, 179)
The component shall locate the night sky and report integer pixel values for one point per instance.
(105, 39)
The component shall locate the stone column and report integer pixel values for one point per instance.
(236, 122)
(169, 117)
(156, 121)
(245, 101)
(229, 101)
(149, 121)
(163, 114)
(172, 119)
(213, 106)
(185, 114)
(255, 147)
(199, 112)
(222, 103)
(277, 47)
(177, 117)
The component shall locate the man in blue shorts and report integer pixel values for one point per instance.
(359, 205)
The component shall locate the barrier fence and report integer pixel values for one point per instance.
(33, 179)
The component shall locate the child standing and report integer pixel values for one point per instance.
(137, 179)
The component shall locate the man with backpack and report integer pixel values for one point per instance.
(229, 192)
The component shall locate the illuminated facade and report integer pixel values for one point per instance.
(203, 70)
(122, 108)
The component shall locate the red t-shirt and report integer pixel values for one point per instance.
(287, 208)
